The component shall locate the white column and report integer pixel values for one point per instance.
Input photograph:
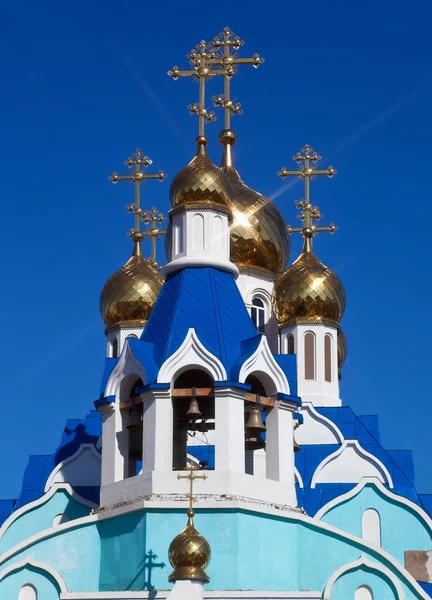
(114, 442)
(280, 445)
(157, 430)
(229, 430)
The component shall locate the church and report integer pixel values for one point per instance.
(219, 460)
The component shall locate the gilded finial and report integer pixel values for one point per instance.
(201, 58)
(189, 552)
(306, 159)
(136, 162)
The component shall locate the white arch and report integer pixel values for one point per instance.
(126, 365)
(28, 592)
(383, 490)
(358, 564)
(261, 293)
(317, 429)
(371, 526)
(262, 360)
(191, 354)
(349, 464)
(34, 564)
(90, 476)
(43, 500)
(364, 592)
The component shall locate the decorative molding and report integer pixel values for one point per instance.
(310, 413)
(69, 459)
(261, 293)
(372, 566)
(29, 562)
(56, 487)
(208, 595)
(377, 483)
(262, 360)
(127, 364)
(351, 446)
(191, 354)
(298, 478)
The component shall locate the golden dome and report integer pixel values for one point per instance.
(200, 181)
(342, 349)
(259, 236)
(189, 554)
(130, 293)
(309, 290)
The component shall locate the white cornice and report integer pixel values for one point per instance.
(308, 407)
(263, 360)
(127, 364)
(375, 482)
(363, 561)
(191, 354)
(367, 456)
(223, 595)
(69, 459)
(29, 562)
(56, 487)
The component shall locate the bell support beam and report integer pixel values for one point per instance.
(201, 393)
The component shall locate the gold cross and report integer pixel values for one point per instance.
(309, 214)
(227, 45)
(200, 59)
(191, 476)
(154, 217)
(136, 161)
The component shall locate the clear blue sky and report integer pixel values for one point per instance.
(84, 84)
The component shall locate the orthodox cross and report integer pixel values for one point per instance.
(227, 44)
(191, 476)
(306, 159)
(137, 176)
(200, 59)
(154, 217)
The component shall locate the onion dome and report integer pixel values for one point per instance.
(310, 291)
(131, 292)
(200, 181)
(189, 554)
(259, 236)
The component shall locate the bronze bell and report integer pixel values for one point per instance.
(134, 420)
(193, 412)
(296, 445)
(254, 425)
(254, 443)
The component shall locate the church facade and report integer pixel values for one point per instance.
(219, 460)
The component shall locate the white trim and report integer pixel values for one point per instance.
(357, 564)
(29, 562)
(309, 408)
(298, 478)
(127, 364)
(192, 353)
(207, 594)
(385, 491)
(69, 459)
(362, 453)
(201, 261)
(216, 504)
(263, 360)
(42, 500)
(261, 293)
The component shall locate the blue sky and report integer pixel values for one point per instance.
(84, 84)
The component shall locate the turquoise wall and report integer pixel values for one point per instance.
(41, 518)
(401, 528)
(249, 551)
(11, 585)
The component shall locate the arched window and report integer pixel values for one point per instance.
(290, 344)
(371, 526)
(258, 314)
(309, 355)
(27, 592)
(114, 348)
(364, 593)
(327, 357)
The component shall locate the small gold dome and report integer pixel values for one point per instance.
(130, 293)
(200, 181)
(259, 236)
(342, 349)
(309, 290)
(189, 554)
